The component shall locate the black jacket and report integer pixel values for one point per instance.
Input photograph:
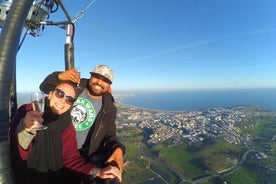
(103, 140)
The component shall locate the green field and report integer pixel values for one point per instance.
(201, 159)
(190, 161)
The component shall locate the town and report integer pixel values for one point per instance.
(193, 126)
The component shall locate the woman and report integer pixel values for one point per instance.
(40, 156)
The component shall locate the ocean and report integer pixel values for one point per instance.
(204, 99)
(194, 100)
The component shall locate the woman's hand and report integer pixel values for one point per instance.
(32, 120)
(110, 172)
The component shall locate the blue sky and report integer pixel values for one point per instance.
(161, 44)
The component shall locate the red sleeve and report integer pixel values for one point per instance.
(18, 155)
(72, 158)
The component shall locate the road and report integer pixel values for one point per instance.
(152, 160)
(226, 172)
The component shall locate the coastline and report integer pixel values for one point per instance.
(119, 102)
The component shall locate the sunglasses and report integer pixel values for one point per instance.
(60, 94)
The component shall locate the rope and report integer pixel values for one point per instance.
(80, 14)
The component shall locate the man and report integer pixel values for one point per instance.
(93, 115)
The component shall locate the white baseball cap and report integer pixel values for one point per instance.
(105, 71)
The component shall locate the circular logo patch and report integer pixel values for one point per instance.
(82, 114)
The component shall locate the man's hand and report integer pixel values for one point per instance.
(71, 75)
(117, 156)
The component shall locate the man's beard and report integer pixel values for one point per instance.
(92, 92)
